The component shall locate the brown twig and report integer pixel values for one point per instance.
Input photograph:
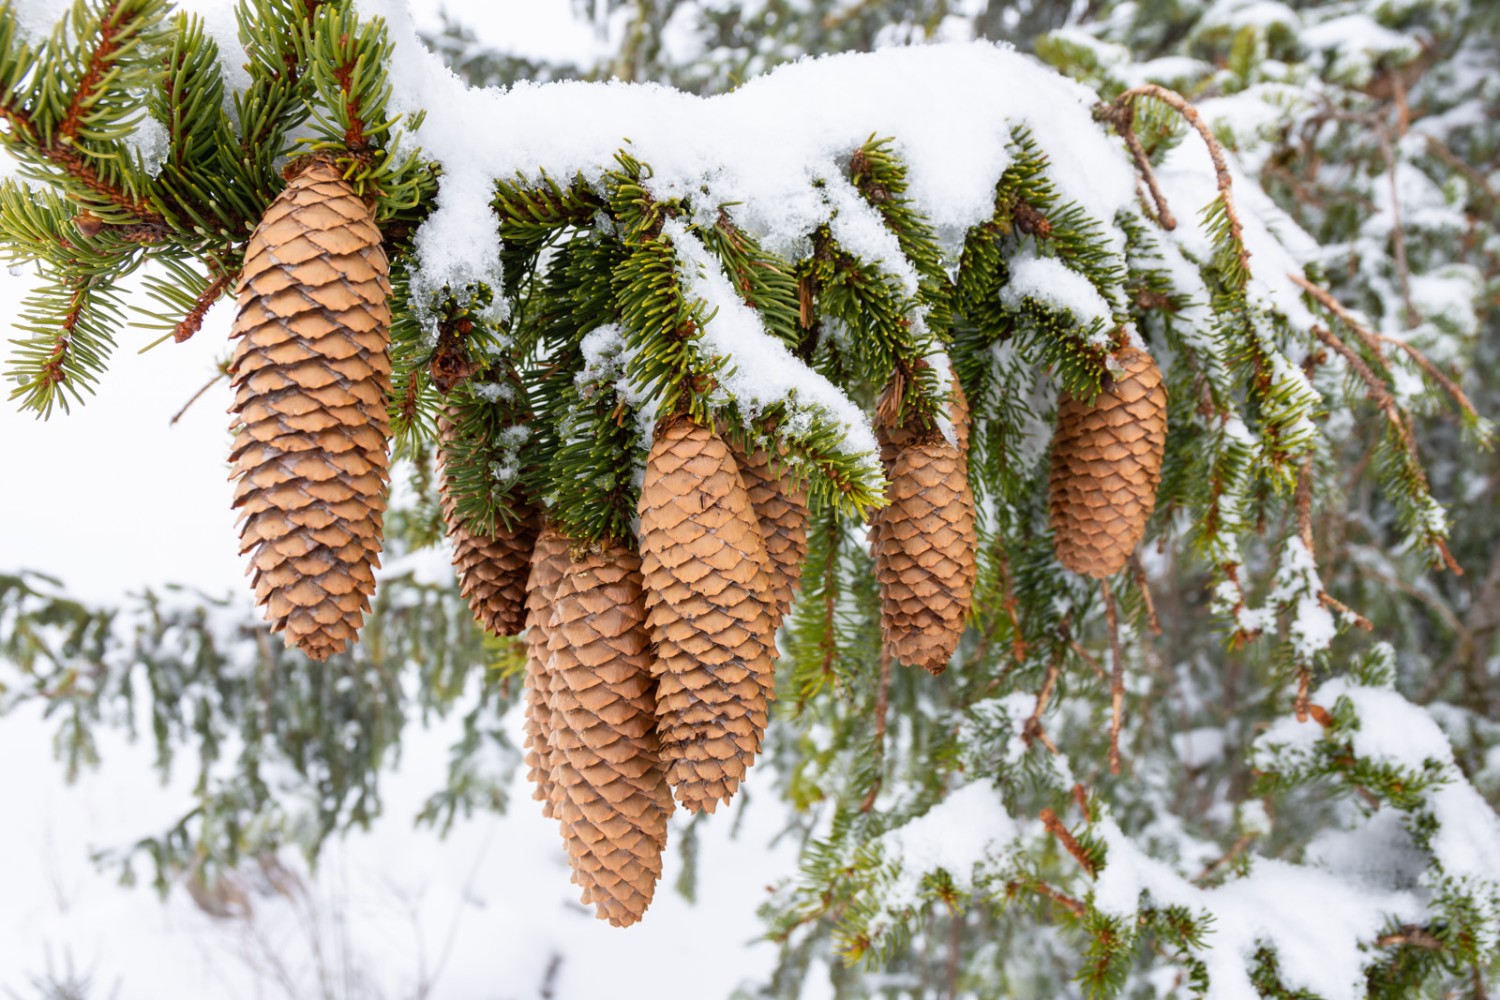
(1412, 935)
(1070, 843)
(1081, 796)
(1185, 108)
(1378, 394)
(1033, 729)
(196, 396)
(1138, 573)
(1122, 117)
(1334, 604)
(192, 322)
(1452, 159)
(1365, 334)
(1304, 683)
(1435, 373)
(882, 711)
(1235, 850)
(1116, 678)
(1047, 892)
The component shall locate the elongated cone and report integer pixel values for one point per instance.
(1106, 466)
(926, 543)
(709, 607)
(781, 510)
(548, 560)
(492, 571)
(611, 787)
(311, 373)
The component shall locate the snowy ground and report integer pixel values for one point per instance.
(116, 499)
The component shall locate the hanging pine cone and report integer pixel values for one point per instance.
(708, 604)
(548, 561)
(926, 544)
(781, 510)
(311, 374)
(492, 571)
(1106, 465)
(611, 788)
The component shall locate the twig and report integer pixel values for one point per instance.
(1082, 798)
(1379, 394)
(1235, 850)
(1116, 680)
(1138, 573)
(1365, 334)
(1304, 683)
(882, 711)
(1452, 159)
(1435, 373)
(1070, 843)
(192, 322)
(1183, 107)
(1033, 729)
(1122, 117)
(196, 396)
(1047, 892)
(1334, 604)
(1412, 935)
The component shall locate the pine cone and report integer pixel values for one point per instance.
(781, 511)
(612, 795)
(492, 572)
(1106, 466)
(925, 541)
(927, 555)
(708, 604)
(311, 374)
(548, 561)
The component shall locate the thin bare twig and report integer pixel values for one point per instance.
(1033, 729)
(1122, 117)
(196, 396)
(1138, 573)
(1070, 843)
(882, 712)
(1434, 372)
(1365, 334)
(1185, 108)
(1116, 679)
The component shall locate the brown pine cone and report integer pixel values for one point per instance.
(708, 605)
(1106, 466)
(492, 571)
(612, 795)
(781, 510)
(925, 541)
(548, 561)
(311, 374)
(927, 565)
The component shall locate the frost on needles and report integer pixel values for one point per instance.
(574, 265)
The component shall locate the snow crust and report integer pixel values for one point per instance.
(765, 372)
(759, 149)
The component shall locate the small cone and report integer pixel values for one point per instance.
(781, 510)
(548, 561)
(492, 572)
(311, 374)
(926, 542)
(708, 605)
(1106, 466)
(611, 788)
